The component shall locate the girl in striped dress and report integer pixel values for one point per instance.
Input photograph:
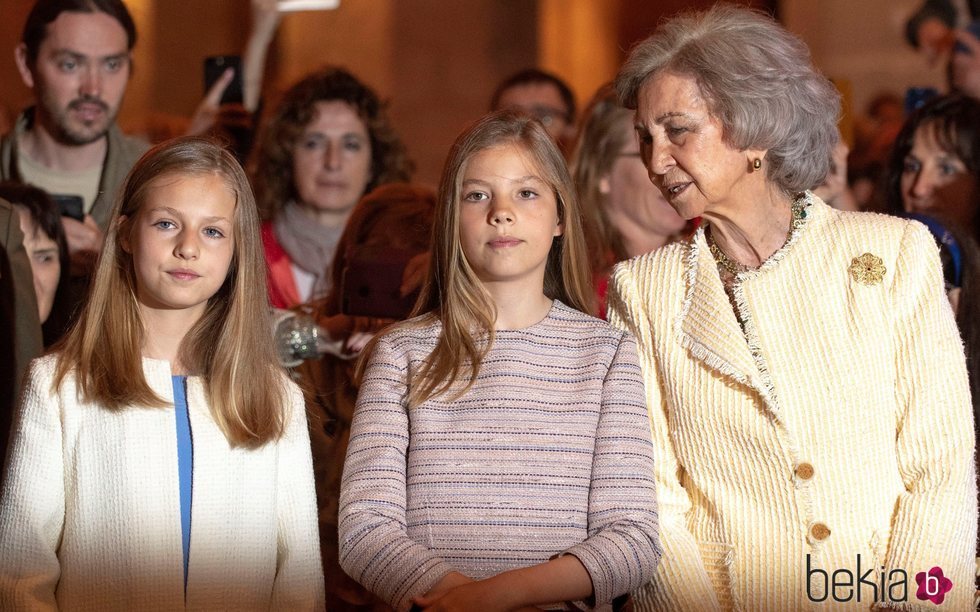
(500, 454)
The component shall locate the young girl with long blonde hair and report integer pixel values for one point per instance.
(500, 452)
(161, 459)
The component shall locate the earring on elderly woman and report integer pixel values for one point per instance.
(757, 163)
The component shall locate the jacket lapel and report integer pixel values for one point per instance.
(709, 329)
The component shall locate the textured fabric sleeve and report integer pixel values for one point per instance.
(375, 549)
(681, 582)
(622, 550)
(936, 516)
(32, 504)
(299, 575)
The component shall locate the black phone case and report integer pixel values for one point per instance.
(71, 206)
(214, 67)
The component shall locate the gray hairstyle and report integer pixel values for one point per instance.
(757, 80)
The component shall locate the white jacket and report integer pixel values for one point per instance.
(90, 509)
(838, 425)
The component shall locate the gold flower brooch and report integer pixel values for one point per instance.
(867, 269)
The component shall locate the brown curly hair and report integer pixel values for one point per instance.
(272, 169)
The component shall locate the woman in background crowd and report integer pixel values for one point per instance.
(625, 214)
(327, 144)
(935, 164)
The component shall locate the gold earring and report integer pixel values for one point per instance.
(757, 163)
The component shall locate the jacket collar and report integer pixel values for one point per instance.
(709, 329)
(158, 375)
(707, 324)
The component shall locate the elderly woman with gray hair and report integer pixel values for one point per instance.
(806, 383)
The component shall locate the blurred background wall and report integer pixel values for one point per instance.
(437, 61)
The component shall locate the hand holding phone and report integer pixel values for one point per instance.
(70, 206)
(84, 243)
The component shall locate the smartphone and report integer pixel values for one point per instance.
(285, 6)
(214, 67)
(71, 206)
(371, 285)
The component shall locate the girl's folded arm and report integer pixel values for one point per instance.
(623, 548)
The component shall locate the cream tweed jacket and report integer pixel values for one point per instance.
(837, 425)
(90, 510)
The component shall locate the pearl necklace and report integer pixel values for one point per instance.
(734, 268)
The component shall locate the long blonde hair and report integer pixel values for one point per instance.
(453, 293)
(230, 346)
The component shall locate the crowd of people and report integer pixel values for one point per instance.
(669, 353)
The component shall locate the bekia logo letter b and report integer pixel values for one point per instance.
(933, 586)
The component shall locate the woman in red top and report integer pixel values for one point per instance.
(327, 144)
